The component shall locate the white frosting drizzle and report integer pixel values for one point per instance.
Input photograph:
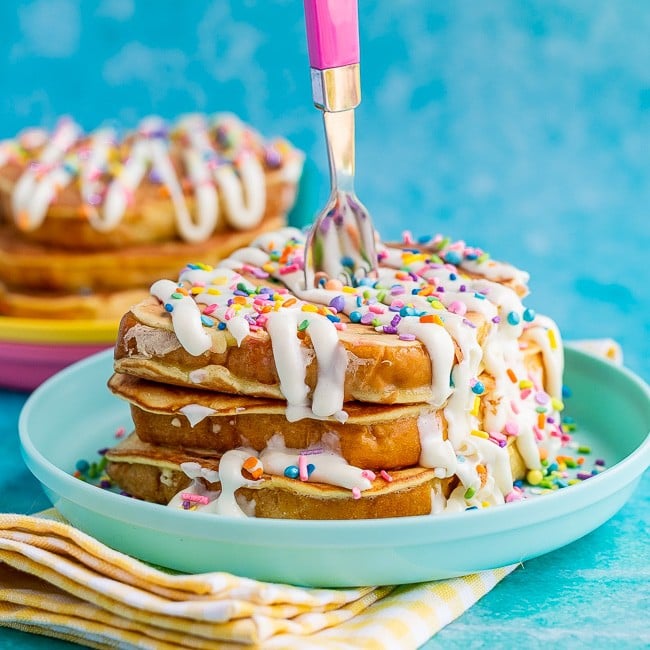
(108, 182)
(196, 413)
(329, 468)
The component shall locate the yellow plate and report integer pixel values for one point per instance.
(34, 330)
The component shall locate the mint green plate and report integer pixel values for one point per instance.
(73, 414)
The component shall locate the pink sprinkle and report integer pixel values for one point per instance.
(538, 434)
(210, 308)
(230, 312)
(514, 496)
(195, 498)
(302, 467)
(339, 326)
(120, 432)
(356, 493)
(457, 307)
(370, 475)
(497, 436)
(376, 309)
(290, 268)
(512, 428)
(386, 476)
(525, 393)
(261, 320)
(514, 406)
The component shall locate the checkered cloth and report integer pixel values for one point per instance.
(60, 582)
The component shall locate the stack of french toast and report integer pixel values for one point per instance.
(428, 389)
(88, 220)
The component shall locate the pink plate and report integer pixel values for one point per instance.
(24, 366)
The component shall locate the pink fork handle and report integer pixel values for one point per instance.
(332, 33)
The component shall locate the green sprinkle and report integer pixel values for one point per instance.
(177, 295)
(483, 258)
(584, 449)
(470, 492)
(303, 326)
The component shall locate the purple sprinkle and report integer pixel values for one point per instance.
(105, 484)
(396, 319)
(390, 329)
(407, 337)
(600, 462)
(239, 292)
(440, 289)
(496, 319)
(397, 290)
(367, 318)
(337, 303)
(103, 450)
(462, 288)
(469, 323)
(583, 476)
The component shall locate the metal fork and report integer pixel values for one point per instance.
(341, 242)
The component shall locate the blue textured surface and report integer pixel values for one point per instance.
(521, 127)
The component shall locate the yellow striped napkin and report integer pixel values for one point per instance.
(60, 582)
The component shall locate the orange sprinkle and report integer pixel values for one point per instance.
(289, 301)
(429, 318)
(253, 466)
(164, 191)
(511, 374)
(240, 300)
(543, 453)
(541, 420)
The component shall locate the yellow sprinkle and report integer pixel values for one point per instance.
(347, 289)
(411, 258)
(213, 292)
(268, 267)
(485, 504)
(480, 434)
(525, 383)
(551, 339)
(309, 307)
(222, 279)
(557, 404)
(197, 290)
(436, 304)
(534, 476)
(476, 406)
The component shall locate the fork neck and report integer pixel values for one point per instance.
(339, 136)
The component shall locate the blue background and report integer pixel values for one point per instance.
(522, 127)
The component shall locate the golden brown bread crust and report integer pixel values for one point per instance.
(38, 282)
(380, 368)
(153, 473)
(382, 437)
